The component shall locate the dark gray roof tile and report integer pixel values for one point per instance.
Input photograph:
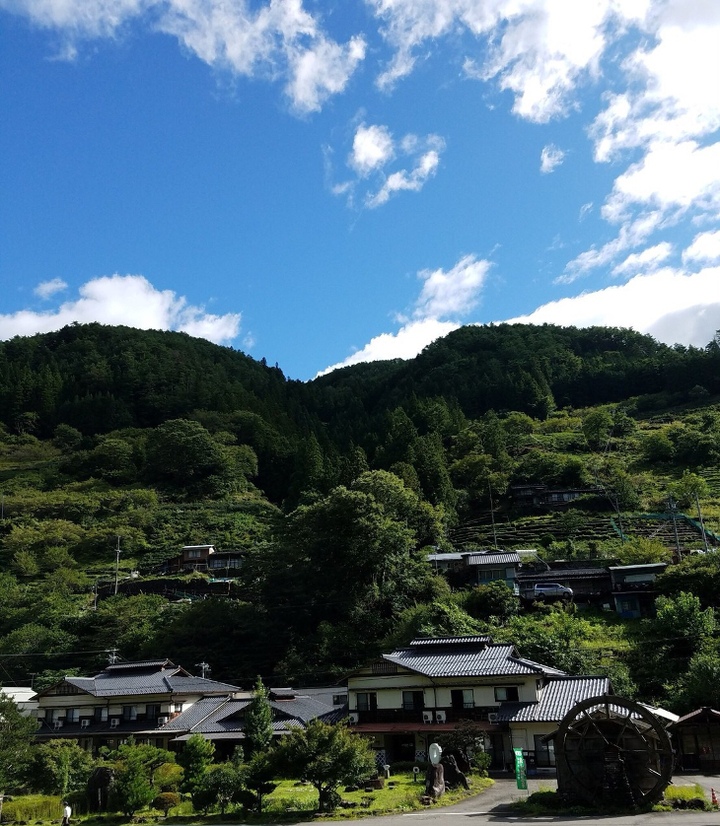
(497, 659)
(557, 698)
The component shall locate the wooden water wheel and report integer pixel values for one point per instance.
(613, 750)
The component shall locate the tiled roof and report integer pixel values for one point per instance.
(557, 698)
(213, 716)
(497, 659)
(450, 641)
(493, 559)
(698, 713)
(149, 679)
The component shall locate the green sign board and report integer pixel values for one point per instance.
(520, 769)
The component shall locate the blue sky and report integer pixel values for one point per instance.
(320, 183)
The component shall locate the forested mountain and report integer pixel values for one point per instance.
(334, 490)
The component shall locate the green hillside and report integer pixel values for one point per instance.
(335, 490)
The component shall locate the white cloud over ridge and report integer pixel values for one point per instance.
(278, 39)
(444, 294)
(130, 300)
(453, 293)
(672, 305)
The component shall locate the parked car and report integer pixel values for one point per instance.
(547, 590)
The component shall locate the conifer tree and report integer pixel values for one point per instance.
(258, 719)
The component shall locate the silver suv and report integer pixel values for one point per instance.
(551, 589)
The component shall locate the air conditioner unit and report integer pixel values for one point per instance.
(427, 716)
(57, 724)
(353, 717)
(114, 722)
(84, 723)
(493, 717)
(161, 721)
(441, 716)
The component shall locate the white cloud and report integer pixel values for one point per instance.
(672, 305)
(373, 147)
(322, 71)
(412, 181)
(537, 49)
(47, 289)
(631, 235)
(671, 176)
(373, 150)
(705, 247)
(406, 343)
(125, 299)
(646, 261)
(452, 293)
(550, 158)
(278, 39)
(670, 111)
(585, 209)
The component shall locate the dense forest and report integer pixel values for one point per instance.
(336, 489)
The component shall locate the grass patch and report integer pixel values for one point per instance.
(32, 807)
(292, 801)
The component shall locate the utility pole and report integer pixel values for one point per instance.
(702, 524)
(117, 564)
(492, 516)
(204, 668)
(673, 515)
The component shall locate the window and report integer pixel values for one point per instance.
(366, 701)
(194, 554)
(489, 576)
(129, 713)
(152, 712)
(505, 693)
(101, 714)
(339, 699)
(462, 698)
(413, 700)
(544, 752)
(72, 715)
(177, 708)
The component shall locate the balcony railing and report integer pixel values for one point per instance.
(400, 715)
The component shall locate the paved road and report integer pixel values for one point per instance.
(492, 807)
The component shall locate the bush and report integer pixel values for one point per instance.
(481, 762)
(166, 801)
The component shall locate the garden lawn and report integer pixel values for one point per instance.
(402, 796)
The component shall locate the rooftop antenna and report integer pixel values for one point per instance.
(112, 656)
(204, 668)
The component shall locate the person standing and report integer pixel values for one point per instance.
(67, 811)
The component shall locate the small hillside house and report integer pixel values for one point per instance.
(479, 568)
(633, 588)
(133, 698)
(405, 699)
